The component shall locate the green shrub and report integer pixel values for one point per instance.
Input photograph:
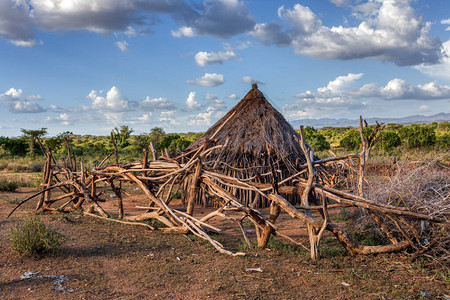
(8, 185)
(34, 237)
(351, 140)
(390, 140)
(418, 136)
(317, 141)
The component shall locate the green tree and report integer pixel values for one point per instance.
(31, 135)
(351, 140)
(390, 140)
(16, 147)
(418, 136)
(156, 135)
(174, 142)
(317, 141)
(121, 135)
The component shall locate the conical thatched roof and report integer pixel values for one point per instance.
(255, 128)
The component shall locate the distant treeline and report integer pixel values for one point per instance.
(395, 137)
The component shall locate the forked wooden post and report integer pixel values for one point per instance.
(314, 238)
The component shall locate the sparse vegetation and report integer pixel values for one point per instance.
(34, 237)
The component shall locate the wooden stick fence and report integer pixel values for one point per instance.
(161, 178)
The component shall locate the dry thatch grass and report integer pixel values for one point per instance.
(258, 135)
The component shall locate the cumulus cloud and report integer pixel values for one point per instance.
(168, 117)
(222, 18)
(423, 108)
(209, 79)
(16, 25)
(304, 20)
(249, 80)
(191, 103)
(389, 31)
(446, 22)
(441, 70)
(210, 97)
(238, 46)
(341, 82)
(151, 104)
(208, 117)
(233, 96)
(20, 19)
(183, 32)
(114, 101)
(145, 118)
(271, 34)
(206, 58)
(341, 2)
(16, 103)
(122, 45)
(396, 89)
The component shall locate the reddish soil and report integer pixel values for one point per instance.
(105, 260)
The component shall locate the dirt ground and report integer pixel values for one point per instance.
(100, 259)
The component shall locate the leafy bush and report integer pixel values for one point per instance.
(417, 136)
(443, 141)
(390, 140)
(34, 237)
(8, 185)
(15, 147)
(351, 140)
(317, 141)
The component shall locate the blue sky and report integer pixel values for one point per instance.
(87, 66)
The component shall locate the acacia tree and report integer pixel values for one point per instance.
(121, 135)
(32, 135)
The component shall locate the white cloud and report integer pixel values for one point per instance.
(191, 103)
(249, 80)
(341, 82)
(206, 58)
(183, 32)
(424, 108)
(233, 96)
(122, 45)
(304, 20)
(221, 18)
(209, 79)
(114, 101)
(15, 24)
(208, 117)
(394, 34)
(389, 31)
(64, 118)
(145, 118)
(441, 70)
(237, 46)
(151, 104)
(210, 97)
(130, 31)
(271, 33)
(396, 89)
(168, 117)
(16, 103)
(446, 22)
(341, 2)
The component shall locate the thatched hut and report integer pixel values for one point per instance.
(256, 137)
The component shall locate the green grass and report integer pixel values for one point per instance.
(34, 237)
